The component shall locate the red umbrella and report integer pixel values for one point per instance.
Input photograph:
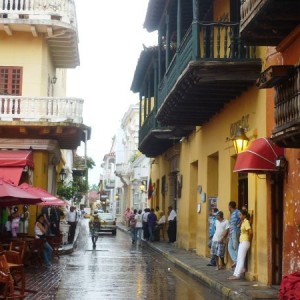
(13, 195)
(47, 198)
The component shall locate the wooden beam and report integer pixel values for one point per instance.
(44, 131)
(33, 31)
(59, 130)
(7, 30)
(23, 130)
(49, 31)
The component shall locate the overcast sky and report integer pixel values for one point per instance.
(111, 36)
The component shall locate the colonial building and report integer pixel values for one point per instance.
(277, 24)
(198, 98)
(39, 42)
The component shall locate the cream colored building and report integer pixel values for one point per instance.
(38, 43)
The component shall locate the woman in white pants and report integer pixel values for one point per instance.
(245, 238)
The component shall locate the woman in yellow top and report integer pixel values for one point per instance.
(245, 238)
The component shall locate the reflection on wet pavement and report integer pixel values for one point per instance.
(117, 270)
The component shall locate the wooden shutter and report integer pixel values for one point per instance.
(11, 81)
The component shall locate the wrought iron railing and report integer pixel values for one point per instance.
(287, 101)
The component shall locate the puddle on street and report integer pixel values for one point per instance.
(116, 270)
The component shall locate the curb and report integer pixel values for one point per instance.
(217, 286)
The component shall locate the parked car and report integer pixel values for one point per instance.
(108, 223)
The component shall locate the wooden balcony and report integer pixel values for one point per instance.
(155, 140)
(55, 20)
(210, 68)
(287, 110)
(268, 22)
(43, 118)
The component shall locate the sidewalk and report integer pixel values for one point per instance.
(45, 281)
(197, 267)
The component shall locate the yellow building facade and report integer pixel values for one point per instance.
(198, 87)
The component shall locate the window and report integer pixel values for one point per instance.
(11, 81)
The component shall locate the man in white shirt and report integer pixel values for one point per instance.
(172, 228)
(72, 219)
(218, 240)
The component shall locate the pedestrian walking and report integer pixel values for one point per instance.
(151, 224)
(234, 232)
(128, 212)
(172, 224)
(145, 224)
(72, 221)
(132, 223)
(138, 226)
(94, 226)
(55, 216)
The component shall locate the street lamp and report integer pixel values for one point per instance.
(143, 187)
(240, 140)
(62, 175)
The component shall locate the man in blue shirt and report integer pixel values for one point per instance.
(234, 232)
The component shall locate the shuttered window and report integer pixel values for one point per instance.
(11, 80)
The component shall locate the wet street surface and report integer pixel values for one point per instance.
(116, 269)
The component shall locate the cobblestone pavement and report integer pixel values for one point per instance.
(44, 281)
(48, 281)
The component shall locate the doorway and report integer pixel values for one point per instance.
(276, 228)
(243, 190)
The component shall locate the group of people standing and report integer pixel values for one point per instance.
(13, 221)
(237, 231)
(150, 223)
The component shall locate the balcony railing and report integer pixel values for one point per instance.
(287, 102)
(44, 109)
(268, 22)
(147, 126)
(55, 20)
(248, 6)
(213, 41)
(62, 10)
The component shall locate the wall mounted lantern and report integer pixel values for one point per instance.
(240, 140)
(62, 175)
(281, 163)
(143, 187)
(54, 79)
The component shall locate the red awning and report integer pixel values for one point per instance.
(260, 157)
(13, 195)
(12, 163)
(47, 198)
(11, 174)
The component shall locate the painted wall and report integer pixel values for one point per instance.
(40, 179)
(289, 55)
(207, 160)
(22, 49)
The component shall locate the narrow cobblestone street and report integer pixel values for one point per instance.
(116, 269)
